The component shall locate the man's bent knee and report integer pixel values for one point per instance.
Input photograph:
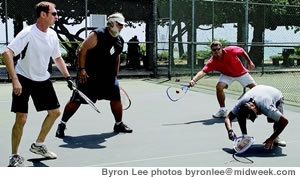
(55, 113)
(251, 85)
(220, 86)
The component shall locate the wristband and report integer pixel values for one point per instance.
(80, 68)
(68, 78)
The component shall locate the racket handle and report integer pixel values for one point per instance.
(231, 135)
(184, 85)
(71, 84)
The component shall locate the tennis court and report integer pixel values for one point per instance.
(165, 133)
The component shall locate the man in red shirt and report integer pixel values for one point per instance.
(226, 61)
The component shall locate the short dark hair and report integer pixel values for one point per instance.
(215, 44)
(42, 7)
(246, 112)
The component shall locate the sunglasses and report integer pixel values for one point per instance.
(53, 13)
(216, 49)
(120, 24)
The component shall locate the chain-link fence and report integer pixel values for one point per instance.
(268, 30)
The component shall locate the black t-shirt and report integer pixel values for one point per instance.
(101, 60)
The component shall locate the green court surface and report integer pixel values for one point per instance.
(165, 133)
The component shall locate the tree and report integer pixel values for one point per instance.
(268, 16)
(72, 12)
(261, 16)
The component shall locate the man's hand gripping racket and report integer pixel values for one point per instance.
(72, 86)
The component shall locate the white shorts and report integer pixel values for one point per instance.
(244, 80)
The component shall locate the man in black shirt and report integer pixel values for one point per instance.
(99, 60)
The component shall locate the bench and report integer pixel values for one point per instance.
(275, 61)
(286, 52)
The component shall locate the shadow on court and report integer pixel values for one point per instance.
(37, 162)
(210, 121)
(258, 150)
(87, 141)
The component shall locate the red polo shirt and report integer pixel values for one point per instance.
(229, 64)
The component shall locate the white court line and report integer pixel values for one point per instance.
(293, 141)
(165, 157)
(154, 158)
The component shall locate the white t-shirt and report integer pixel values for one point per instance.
(265, 98)
(41, 46)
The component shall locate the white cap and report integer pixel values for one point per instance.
(117, 17)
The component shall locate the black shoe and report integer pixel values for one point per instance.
(122, 128)
(60, 132)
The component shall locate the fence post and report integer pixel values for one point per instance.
(155, 38)
(6, 27)
(6, 32)
(246, 33)
(170, 40)
(86, 14)
(193, 38)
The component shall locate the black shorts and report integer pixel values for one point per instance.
(97, 90)
(42, 94)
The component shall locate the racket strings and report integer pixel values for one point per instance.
(176, 93)
(125, 100)
(241, 144)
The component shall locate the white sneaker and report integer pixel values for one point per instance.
(42, 150)
(16, 161)
(220, 114)
(279, 142)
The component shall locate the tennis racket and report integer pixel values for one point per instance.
(242, 143)
(125, 99)
(85, 98)
(175, 93)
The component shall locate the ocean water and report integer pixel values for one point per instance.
(268, 51)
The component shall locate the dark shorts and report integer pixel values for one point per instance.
(97, 90)
(42, 93)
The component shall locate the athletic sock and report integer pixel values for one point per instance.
(223, 108)
(12, 155)
(118, 123)
(39, 143)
